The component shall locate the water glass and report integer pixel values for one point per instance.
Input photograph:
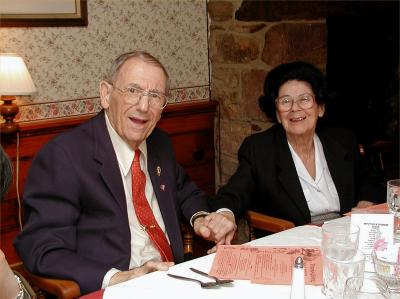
(393, 201)
(387, 271)
(340, 240)
(365, 288)
(336, 272)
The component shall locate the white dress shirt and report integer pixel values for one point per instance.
(142, 248)
(320, 193)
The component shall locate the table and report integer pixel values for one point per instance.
(159, 285)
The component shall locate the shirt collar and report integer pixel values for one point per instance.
(124, 152)
(319, 164)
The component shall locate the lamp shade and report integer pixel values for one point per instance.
(14, 76)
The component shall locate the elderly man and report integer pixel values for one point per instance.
(103, 202)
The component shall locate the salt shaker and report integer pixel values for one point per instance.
(298, 289)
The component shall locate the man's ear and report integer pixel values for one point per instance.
(105, 93)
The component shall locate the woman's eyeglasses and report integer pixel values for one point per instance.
(285, 103)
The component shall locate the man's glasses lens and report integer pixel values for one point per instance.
(155, 99)
(134, 94)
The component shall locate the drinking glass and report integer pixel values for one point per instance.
(336, 272)
(389, 272)
(340, 239)
(393, 201)
(365, 288)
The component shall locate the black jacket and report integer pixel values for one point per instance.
(266, 179)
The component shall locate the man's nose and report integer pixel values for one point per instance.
(144, 101)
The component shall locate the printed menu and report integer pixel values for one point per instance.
(266, 265)
(373, 228)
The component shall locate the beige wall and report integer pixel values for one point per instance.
(66, 63)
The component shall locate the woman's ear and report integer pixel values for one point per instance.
(321, 110)
(278, 118)
(105, 92)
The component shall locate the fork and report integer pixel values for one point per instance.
(217, 280)
(202, 283)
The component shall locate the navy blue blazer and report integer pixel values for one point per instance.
(266, 179)
(76, 223)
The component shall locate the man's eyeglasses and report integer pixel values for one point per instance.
(134, 95)
(285, 103)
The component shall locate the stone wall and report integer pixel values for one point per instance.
(241, 54)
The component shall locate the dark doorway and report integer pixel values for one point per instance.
(362, 66)
(363, 76)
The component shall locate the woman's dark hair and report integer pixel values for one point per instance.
(5, 172)
(297, 70)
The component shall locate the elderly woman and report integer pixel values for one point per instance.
(296, 170)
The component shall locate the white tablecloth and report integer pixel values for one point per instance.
(159, 285)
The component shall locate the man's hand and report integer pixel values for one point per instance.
(148, 267)
(218, 227)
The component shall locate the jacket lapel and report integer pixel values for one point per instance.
(288, 177)
(105, 155)
(340, 168)
(163, 188)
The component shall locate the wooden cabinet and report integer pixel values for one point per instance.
(190, 127)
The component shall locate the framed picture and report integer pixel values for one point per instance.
(43, 13)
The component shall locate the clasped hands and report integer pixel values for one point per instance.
(218, 227)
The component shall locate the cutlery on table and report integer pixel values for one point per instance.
(217, 280)
(202, 283)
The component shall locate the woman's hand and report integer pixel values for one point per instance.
(364, 204)
(218, 227)
(9, 287)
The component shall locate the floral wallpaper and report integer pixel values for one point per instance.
(46, 110)
(66, 63)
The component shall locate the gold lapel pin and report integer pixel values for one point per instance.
(158, 170)
(162, 187)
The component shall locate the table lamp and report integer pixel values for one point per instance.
(15, 80)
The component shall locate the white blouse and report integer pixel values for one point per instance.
(321, 194)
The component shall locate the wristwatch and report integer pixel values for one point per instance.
(198, 215)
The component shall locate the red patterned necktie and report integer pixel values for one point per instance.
(145, 214)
